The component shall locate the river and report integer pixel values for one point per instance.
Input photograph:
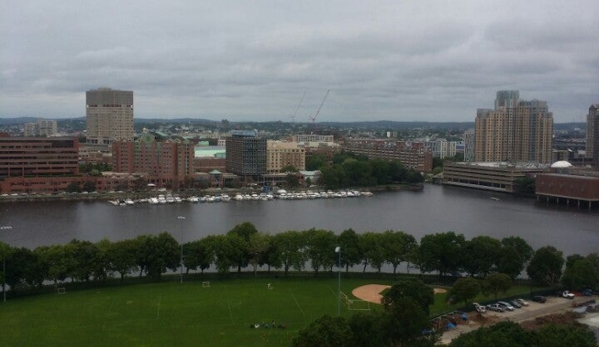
(435, 209)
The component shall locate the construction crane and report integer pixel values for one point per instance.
(313, 119)
(296, 108)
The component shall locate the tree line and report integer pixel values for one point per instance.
(245, 248)
(347, 169)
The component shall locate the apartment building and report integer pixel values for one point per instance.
(414, 155)
(281, 154)
(515, 131)
(165, 161)
(42, 127)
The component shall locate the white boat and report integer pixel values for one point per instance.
(178, 200)
(161, 199)
(209, 198)
(238, 197)
(129, 202)
(193, 199)
(226, 197)
(218, 198)
(153, 201)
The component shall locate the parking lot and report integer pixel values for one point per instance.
(533, 310)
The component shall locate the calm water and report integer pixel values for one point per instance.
(436, 209)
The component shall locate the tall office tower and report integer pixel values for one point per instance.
(246, 154)
(109, 115)
(592, 145)
(515, 131)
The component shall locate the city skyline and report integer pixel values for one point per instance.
(383, 60)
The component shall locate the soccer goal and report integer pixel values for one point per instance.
(206, 284)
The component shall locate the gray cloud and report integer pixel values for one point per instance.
(420, 60)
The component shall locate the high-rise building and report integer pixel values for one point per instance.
(246, 154)
(592, 145)
(109, 115)
(515, 131)
(43, 127)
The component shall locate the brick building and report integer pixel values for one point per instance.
(165, 161)
(414, 155)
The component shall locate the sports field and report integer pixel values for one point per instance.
(175, 314)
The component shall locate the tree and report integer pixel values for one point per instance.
(403, 324)
(156, 254)
(464, 290)
(480, 255)
(73, 187)
(554, 335)
(321, 248)
(366, 329)
(244, 231)
(397, 246)
(290, 247)
(121, 257)
(326, 331)
(59, 261)
(288, 168)
(86, 256)
(89, 186)
(412, 288)
(373, 252)
(351, 253)
(441, 252)
(501, 334)
(581, 275)
(292, 180)
(315, 161)
(258, 245)
(515, 254)
(546, 266)
(198, 254)
(497, 283)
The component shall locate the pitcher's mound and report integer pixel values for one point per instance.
(372, 292)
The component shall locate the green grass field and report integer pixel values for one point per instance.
(174, 314)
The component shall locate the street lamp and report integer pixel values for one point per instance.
(181, 259)
(338, 251)
(4, 227)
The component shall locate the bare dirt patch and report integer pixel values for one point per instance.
(372, 292)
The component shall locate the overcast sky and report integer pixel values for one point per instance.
(255, 60)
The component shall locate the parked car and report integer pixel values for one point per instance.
(587, 292)
(479, 308)
(495, 307)
(522, 302)
(539, 298)
(515, 303)
(505, 305)
(566, 294)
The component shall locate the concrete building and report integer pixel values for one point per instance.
(469, 141)
(568, 184)
(414, 155)
(281, 154)
(36, 164)
(109, 116)
(592, 144)
(42, 127)
(515, 131)
(494, 176)
(166, 161)
(246, 154)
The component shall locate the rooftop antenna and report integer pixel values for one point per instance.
(313, 119)
(296, 108)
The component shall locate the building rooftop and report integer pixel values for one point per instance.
(505, 164)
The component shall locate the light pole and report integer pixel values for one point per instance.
(4, 227)
(181, 258)
(338, 251)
